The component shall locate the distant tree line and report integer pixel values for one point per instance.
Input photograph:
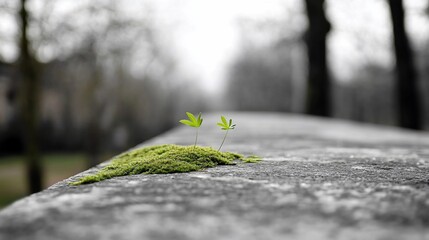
(94, 92)
(372, 96)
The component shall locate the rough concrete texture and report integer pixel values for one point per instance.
(320, 179)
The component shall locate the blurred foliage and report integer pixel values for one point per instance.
(109, 78)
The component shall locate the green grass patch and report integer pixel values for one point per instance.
(56, 167)
(164, 159)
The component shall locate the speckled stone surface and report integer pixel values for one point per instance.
(320, 179)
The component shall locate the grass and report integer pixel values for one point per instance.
(56, 167)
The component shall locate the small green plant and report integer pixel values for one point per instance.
(193, 122)
(226, 126)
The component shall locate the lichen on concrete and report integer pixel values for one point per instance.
(162, 159)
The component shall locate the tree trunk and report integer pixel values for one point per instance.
(319, 86)
(406, 80)
(30, 97)
(94, 128)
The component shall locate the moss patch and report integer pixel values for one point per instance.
(163, 159)
(251, 159)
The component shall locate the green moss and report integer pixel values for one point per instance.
(252, 159)
(163, 159)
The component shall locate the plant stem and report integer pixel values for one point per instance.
(223, 140)
(196, 138)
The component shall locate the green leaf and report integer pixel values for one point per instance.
(192, 122)
(225, 125)
(224, 120)
(199, 120)
(187, 122)
(191, 117)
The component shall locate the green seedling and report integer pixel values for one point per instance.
(193, 122)
(226, 126)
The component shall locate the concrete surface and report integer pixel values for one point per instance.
(320, 179)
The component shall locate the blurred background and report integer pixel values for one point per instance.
(83, 80)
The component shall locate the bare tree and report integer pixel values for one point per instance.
(30, 101)
(406, 83)
(319, 85)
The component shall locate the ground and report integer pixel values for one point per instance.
(319, 179)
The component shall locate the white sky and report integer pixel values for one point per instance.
(207, 36)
